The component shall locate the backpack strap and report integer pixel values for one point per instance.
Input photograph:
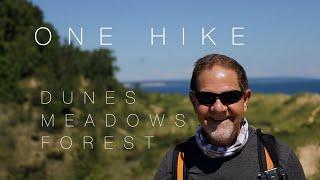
(179, 168)
(268, 157)
(265, 161)
(269, 162)
(268, 142)
(175, 157)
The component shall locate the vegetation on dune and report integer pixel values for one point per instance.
(141, 162)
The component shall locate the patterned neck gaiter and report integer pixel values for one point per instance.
(213, 151)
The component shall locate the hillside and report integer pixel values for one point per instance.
(294, 119)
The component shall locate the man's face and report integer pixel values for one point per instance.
(221, 123)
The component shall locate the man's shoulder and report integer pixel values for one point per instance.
(279, 143)
(189, 141)
(165, 168)
(181, 146)
(283, 150)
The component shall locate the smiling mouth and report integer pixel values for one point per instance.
(219, 119)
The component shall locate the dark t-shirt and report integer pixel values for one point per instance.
(242, 165)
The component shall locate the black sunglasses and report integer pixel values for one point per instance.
(226, 98)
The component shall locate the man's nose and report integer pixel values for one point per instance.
(217, 106)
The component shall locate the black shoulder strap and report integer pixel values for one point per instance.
(269, 142)
(177, 149)
(261, 153)
(175, 162)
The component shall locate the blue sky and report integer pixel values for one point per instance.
(281, 38)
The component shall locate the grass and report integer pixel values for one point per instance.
(286, 117)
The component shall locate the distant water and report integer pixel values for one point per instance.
(258, 85)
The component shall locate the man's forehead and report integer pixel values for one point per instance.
(220, 74)
(218, 78)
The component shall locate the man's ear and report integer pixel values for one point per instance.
(246, 97)
(193, 100)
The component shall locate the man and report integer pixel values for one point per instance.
(224, 146)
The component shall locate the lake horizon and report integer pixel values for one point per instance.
(266, 85)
